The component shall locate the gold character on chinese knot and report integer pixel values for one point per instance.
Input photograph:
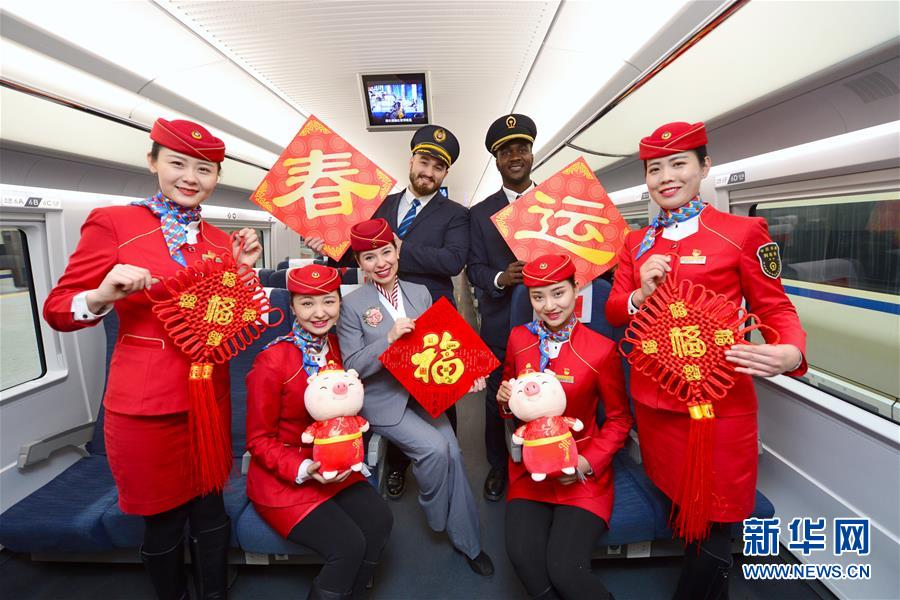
(311, 175)
(446, 370)
(678, 309)
(214, 338)
(724, 337)
(187, 301)
(219, 310)
(229, 279)
(686, 341)
(649, 347)
(248, 315)
(692, 373)
(565, 234)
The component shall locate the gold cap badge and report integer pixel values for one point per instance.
(510, 122)
(440, 135)
(196, 135)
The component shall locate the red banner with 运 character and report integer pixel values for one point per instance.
(571, 214)
(321, 186)
(439, 361)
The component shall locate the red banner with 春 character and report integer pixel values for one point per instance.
(571, 214)
(321, 186)
(439, 361)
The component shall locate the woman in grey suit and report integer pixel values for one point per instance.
(372, 318)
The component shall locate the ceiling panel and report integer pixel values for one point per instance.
(763, 47)
(310, 53)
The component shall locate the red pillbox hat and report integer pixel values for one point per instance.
(673, 138)
(188, 138)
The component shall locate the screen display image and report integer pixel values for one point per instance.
(396, 101)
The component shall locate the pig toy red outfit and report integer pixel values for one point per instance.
(548, 447)
(333, 397)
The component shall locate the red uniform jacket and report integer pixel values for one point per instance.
(148, 374)
(590, 371)
(276, 420)
(732, 268)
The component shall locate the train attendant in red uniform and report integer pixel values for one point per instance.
(344, 518)
(123, 250)
(552, 526)
(731, 255)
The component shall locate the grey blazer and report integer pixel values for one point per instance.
(362, 344)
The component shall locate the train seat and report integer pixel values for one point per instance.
(264, 275)
(127, 531)
(66, 514)
(278, 278)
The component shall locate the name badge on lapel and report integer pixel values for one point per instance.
(564, 377)
(694, 259)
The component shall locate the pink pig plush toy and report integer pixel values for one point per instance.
(333, 397)
(548, 446)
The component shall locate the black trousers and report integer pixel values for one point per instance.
(351, 527)
(550, 546)
(494, 427)
(705, 566)
(164, 530)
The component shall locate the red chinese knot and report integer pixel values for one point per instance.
(679, 338)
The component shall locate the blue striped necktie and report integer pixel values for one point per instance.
(408, 219)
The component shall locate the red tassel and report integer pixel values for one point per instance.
(209, 440)
(691, 509)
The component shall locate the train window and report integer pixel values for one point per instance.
(21, 352)
(263, 240)
(841, 268)
(635, 219)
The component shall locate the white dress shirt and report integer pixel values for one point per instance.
(406, 201)
(674, 233)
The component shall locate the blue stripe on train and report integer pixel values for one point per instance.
(879, 305)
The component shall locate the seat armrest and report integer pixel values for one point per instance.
(41, 449)
(515, 450)
(633, 446)
(375, 451)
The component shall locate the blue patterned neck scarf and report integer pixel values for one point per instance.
(173, 220)
(668, 217)
(545, 336)
(307, 343)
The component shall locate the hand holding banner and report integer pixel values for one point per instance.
(439, 361)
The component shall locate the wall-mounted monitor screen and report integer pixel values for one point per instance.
(396, 101)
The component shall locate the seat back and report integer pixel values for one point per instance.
(352, 276)
(278, 279)
(97, 445)
(264, 275)
(283, 265)
(240, 366)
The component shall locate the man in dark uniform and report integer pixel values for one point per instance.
(432, 235)
(494, 270)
